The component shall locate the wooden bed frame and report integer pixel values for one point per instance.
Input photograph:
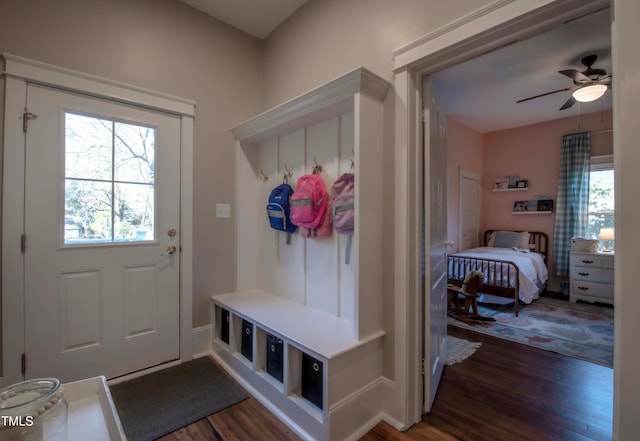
(497, 272)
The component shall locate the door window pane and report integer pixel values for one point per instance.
(134, 212)
(134, 153)
(109, 181)
(88, 147)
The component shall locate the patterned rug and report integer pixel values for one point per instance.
(459, 349)
(575, 329)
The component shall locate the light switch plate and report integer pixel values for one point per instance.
(223, 211)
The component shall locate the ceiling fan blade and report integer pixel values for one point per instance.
(570, 102)
(576, 76)
(606, 80)
(543, 94)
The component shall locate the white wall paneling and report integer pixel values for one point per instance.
(305, 293)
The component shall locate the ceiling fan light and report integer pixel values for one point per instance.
(589, 93)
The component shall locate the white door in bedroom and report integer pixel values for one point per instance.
(469, 209)
(101, 219)
(435, 215)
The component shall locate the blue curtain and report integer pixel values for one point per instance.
(573, 197)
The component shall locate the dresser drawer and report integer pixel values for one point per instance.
(592, 289)
(592, 274)
(589, 261)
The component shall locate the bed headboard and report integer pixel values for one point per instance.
(538, 239)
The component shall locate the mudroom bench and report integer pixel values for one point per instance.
(304, 361)
(303, 330)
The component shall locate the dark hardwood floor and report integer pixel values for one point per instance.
(505, 391)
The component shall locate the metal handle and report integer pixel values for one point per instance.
(584, 274)
(583, 288)
(587, 261)
(171, 249)
(316, 367)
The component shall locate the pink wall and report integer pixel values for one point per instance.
(531, 152)
(464, 150)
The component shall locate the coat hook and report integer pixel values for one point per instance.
(318, 167)
(264, 176)
(288, 173)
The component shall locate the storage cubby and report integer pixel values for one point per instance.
(222, 320)
(275, 357)
(326, 313)
(311, 381)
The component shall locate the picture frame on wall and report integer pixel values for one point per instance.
(513, 180)
(522, 183)
(501, 183)
(545, 205)
(525, 206)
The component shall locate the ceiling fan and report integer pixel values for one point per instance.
(589, 85)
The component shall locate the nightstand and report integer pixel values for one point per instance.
(591, 277)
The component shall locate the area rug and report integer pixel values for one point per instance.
(578, 330)
(459, 349)
(164, 401)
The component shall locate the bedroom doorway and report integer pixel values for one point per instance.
(487, 30)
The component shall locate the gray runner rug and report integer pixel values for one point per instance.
(164, 401)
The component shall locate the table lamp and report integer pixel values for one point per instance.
(607, 234)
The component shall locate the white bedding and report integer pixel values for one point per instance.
(533, 270)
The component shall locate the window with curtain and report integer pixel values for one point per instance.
(573, 197)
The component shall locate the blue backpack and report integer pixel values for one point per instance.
(278, 210)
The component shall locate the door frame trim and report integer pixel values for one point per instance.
(498, 23)
(19, 72)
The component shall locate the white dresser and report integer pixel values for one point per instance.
(591, 277)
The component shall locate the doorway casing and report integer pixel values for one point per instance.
(499, 23)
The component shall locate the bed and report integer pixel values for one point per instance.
(514, 264)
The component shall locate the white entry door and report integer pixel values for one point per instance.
(102, 254)
(435, 215)
(469, 209)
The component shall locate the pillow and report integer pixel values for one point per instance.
(509, 239)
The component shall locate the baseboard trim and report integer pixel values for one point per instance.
(201, 338)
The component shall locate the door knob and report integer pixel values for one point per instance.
(171, 249)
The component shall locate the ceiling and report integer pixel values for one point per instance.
(480, 93)
(255, 17)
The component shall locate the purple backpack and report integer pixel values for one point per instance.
(343, 212)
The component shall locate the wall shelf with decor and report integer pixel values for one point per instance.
(510, 183)
(497, 190)
(536, 206)
(532, 212)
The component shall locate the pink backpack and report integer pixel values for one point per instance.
(310, 206)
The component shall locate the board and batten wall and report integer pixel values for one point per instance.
(308, 271)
